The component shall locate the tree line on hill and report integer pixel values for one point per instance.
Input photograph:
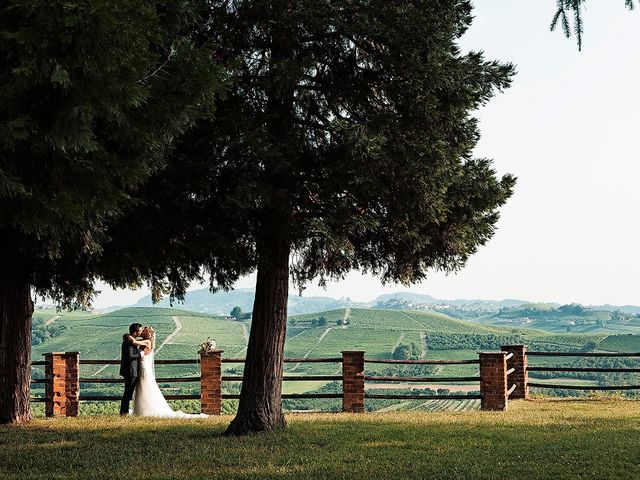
(41, 332)
(238, 314)
(165, 142)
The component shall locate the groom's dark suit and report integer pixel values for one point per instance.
(129, 356)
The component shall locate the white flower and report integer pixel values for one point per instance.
(208, 346)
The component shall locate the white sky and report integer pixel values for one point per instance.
(567, 130)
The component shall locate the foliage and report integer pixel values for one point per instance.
(574, 6)
(93, 95)
(40, 331)
(401, 352)
(573, 308)
(406, 352)
(352, 139)
(462, 341)
(238, 314)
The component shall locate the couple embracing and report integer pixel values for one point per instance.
(137, 368)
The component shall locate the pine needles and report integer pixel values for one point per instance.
(567, 8)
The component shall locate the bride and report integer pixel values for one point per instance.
(148, 400)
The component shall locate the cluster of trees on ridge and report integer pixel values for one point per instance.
(41, 332)
(165, 142)
(238, 314)
(407, 352)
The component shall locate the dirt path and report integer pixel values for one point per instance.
(52, 319)
(172, 335)
(423, 343)
(324, 334)
(245, 334)
(297, 334)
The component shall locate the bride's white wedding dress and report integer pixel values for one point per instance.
(148, 400)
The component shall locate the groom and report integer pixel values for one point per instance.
(129, 356)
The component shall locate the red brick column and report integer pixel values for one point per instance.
(519, 376)
(211, 382)
(353, 381)
(63, 386)
(493, 381)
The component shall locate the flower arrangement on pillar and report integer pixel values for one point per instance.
(208, 346)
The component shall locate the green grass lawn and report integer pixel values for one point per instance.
(534, 439)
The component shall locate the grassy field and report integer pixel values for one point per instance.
(533, 440)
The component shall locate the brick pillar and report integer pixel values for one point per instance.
(63, 384)
(493, 381)
(211, 382)
(520, 376)
(353, 381)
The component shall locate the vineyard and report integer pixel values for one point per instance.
(326, 334)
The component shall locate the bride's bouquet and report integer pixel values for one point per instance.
(208, 346)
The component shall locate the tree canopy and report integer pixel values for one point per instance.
(348, 126)
(93, 95)
(344, 142)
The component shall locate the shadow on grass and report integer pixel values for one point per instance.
(552, 444)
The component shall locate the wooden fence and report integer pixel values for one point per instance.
(502, 375)
(582, 369)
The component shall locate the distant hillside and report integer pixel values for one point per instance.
(418, 299)
(221, 303)
(573, 318)
(382, 334)
(622, 308)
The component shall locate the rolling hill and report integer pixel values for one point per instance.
(379, 333)
(221, 303)
(572, 318)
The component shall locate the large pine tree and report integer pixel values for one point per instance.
(345, 142)
(93, 94)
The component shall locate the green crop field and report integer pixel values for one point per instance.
(621, 343)
(377, 332)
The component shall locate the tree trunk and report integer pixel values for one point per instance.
(260, 407)
(16, 309)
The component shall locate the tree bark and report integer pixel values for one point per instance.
(260, 407)
(16, 310)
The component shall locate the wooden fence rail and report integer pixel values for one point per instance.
(63, 381)
(583, 369)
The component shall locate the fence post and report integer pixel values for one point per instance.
(353, 381)
(520, 376)
(63, 384)
(493, 381)
(211, 382)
